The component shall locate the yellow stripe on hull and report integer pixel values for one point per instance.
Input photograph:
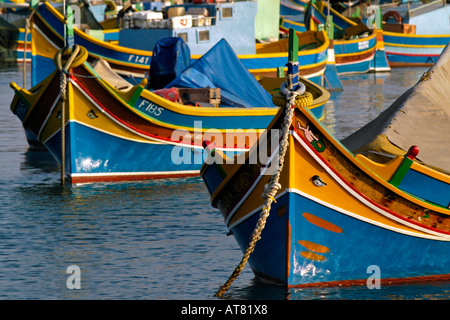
(421, 46)
(41, 45)
(372, 35)
(406, 35)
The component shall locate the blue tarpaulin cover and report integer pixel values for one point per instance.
(170, 57)
(221, 68)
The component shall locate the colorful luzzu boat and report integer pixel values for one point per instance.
(24, 47)
(286, 24)
(382, 143)
(13, 18)
(415, 34)
(118, 131)
(18, 13)
(363, 54)
(307, 212)
(406, 50)
(47, 39)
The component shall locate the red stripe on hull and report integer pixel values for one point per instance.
(412, 54)
(129, 177)
(383, 282)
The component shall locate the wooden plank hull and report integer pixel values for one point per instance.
(355, 56)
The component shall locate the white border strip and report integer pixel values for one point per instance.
(262, 174)
(44, 123)
(45, 37)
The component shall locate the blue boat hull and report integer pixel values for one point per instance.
(413, 50)
(93, 155)
(355, 249)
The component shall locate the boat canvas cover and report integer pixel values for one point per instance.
(419, 117)
(221, 68)
(171, 55)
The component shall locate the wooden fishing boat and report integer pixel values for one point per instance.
(16, 14)
(12, 26)
(47, 39)
(415, 34)
(24, 51)
(382, 143)
(117, 131)
(307, 212)
(286, 24)
(357, 48)
(407, 50)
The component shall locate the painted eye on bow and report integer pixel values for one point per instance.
(318, 181)
(91, 114)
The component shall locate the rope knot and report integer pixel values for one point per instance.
(271, 190)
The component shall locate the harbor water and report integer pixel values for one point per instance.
(152, 240)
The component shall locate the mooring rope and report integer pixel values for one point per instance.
(62, 89)
(70, 60)
(270, 189)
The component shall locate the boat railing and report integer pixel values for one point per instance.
(427, 7)
(177, 22)
(389, 5)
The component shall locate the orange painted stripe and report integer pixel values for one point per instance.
(322, 223)
(312, 256)
(314, 246)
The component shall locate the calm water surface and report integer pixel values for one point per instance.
(148, 240)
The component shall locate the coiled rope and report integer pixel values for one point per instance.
(69, 59)
(289, 99)
(303, 100)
